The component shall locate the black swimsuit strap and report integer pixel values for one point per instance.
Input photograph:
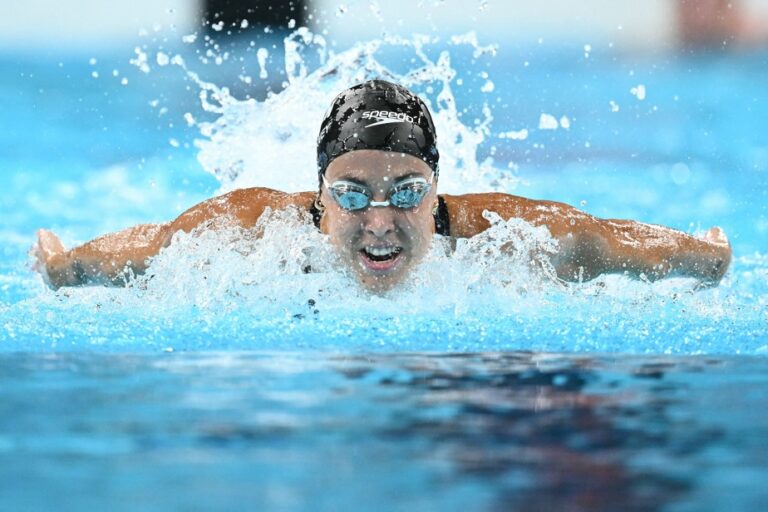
(442, 223)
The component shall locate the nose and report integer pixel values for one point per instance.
(379, 221)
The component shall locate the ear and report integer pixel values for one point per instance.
(319, 206)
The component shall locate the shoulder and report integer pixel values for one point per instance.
(466, 211)
(256, 199)
(244, 206)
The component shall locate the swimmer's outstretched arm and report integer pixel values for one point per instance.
(113, 258)
(589, 246)
(646, 251)
(108, 259)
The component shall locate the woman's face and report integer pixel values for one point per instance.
(380, 243)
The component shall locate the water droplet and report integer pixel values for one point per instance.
(638, 92)
(162, 59)
(548, 122)
(261, 56)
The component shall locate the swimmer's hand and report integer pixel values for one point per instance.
(712, 261)
(45, 253)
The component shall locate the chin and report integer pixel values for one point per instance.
(383, 274)
(378, 282)
(378, 285)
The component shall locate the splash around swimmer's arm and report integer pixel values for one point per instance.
(114, 258)
(589, 246)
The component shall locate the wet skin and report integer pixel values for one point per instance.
(407, 233)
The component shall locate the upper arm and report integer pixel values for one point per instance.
(589, 246)
(582, 239)
(241, 207)
(467, 220)
(234, 206)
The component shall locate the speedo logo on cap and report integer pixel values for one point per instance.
(385, 117)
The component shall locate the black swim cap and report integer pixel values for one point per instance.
(377, 115)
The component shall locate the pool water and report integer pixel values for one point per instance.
(321, 431)
(232, 380)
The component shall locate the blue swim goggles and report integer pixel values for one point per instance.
(407, 193)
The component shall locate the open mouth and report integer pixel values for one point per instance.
(380, 258)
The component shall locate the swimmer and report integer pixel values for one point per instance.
(378, 204)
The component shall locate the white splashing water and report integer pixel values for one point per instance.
(267, 268)
(262, 55)
(499, 285)
(497, 290)
(548, 122)
(270, 272)
(272, 143)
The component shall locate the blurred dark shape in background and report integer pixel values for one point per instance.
(258, 13)
(718, 24)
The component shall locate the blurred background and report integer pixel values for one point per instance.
(655, 24)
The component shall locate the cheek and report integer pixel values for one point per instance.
(419, 226)
(341, 226)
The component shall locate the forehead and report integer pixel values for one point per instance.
(369, 164)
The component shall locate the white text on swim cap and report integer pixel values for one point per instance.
(386, 117)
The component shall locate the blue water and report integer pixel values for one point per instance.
(620, 394)
(308, 431)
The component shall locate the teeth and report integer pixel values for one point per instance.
(381, 251)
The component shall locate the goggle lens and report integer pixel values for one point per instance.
(350, 199)
(408, 193)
